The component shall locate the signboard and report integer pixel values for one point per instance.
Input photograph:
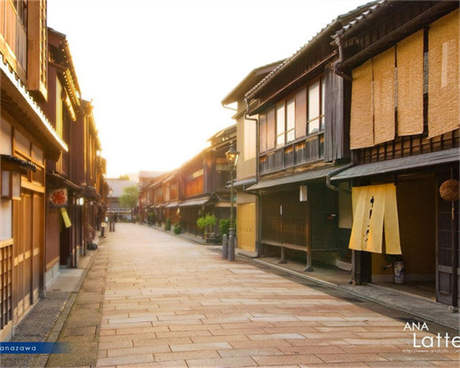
(58, 197)
(66, 218)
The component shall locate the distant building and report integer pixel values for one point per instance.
(116, 189)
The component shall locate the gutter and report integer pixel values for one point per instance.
(332, 173)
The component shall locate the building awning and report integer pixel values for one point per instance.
(172, 205)
(297, 178)
(398, 164)
(13, 163)
(195, 201)
(243, 182)
(15, 95)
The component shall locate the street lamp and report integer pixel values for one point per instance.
(232, 157)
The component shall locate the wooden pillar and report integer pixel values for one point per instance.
(283, 256)
(308, 230)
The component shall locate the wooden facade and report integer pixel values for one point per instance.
(302, 111)
(197, 188)
(246, 168)
(408, 136)
(27, 140)
(33, 143)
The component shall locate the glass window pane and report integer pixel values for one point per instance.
(280, 120)
(290, 115)
(323, 101)
(6, 190)
(5, 138)
(280, 125)
(280, 140)
(313, 126)
(291, 135)
(6, 216)
(313, 101)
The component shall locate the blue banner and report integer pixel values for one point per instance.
(33, 348)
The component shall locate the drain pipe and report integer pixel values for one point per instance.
(335, 172)
(337, 64)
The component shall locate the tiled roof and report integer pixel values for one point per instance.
(305, 47)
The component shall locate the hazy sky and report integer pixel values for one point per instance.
(157, 70)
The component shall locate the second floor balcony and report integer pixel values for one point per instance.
(299, 152)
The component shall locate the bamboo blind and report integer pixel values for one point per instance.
(361, 124)
(384, 96)
(443, 39)
(410, 84)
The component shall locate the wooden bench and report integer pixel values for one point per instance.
(300, 248)
(285, 246)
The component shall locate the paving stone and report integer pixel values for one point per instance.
(166, 302)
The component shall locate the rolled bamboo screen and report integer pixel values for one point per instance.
(410, 84)
(384, 96)
(361, 124)
(443, 93)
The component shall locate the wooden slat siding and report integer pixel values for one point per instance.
(6, 284)
(263, 132)
(271, 128)
(409, 57)
(412, 145)
(384, 96)
(301, 113)
(443, 90)
(361, 124)
(37, 60)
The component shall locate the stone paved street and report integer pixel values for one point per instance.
(171, 303)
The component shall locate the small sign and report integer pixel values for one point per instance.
(58, 197)
(303, 193)
(65, 217)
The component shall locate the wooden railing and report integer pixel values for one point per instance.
(6, 282)
(299, 152)
(14, 43)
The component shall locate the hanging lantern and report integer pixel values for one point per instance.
(449, 190)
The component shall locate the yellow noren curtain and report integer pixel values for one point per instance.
(443, 93)
(374, 211)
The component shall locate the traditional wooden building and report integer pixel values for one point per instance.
(203, 182)
(402, 61)
(247, 205)
(64, 225)
(89, 168)
(27, 142)
(302, 116)
(199, 187)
